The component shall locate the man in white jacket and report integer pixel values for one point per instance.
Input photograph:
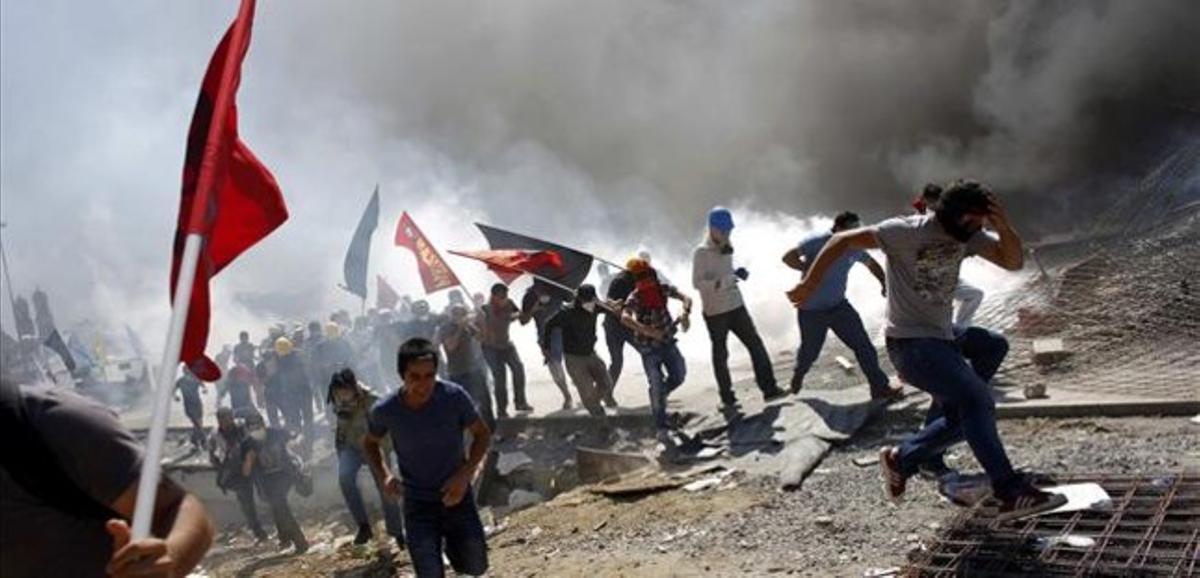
(714, 276)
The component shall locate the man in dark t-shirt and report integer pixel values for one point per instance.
(495, 320)
(426, 419)
(46, 533)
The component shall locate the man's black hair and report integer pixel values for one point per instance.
(415, 349)
(499, 289)
(932, 192)
(342, 379)
(845, 218)
(585, 294)
(962, 198)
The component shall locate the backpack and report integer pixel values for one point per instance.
(31, 463)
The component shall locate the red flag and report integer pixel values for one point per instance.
(229, 197)
(508, 264)
(435, 273)
(385, 296)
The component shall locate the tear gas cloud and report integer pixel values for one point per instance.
(603, 125)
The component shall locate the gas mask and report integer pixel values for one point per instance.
(590, 306)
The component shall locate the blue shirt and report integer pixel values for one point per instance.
(832, 290)
(429, 440)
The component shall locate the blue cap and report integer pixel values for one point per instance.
(720, 219)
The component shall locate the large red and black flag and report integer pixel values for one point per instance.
(229, 198)
(435, 273)
(508, 264)
(576, 265)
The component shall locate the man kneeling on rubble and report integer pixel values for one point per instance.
(426, 419)
(924, 253)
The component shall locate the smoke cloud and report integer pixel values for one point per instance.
(602, 125)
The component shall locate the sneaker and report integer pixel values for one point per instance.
(1028, 502)
(567, 405)
(364, 535)
(301, 545)
(894, 482)
(773, 394)
(502, 414)
(664, 437)
(729, 400)
(609, 402)
(524, 407)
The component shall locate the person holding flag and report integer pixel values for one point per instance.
(646, 313)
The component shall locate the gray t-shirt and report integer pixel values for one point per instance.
(467, 358)
(99, 455)
(922, 272)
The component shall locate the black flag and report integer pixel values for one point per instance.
(56, 343)
(359, 253)
(575, 264)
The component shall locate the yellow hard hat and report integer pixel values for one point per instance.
(283, 347)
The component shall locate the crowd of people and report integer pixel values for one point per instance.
(400, 389)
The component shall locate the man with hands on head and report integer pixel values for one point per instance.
(924, 253)
(426, 419)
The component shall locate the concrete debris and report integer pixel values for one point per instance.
(823, 520)
(1069, 540)
(845, 364)
(867, 460)
(709, 482)
(636, 487)
(600, 465)
(1036, 390)
(1196, 420)
(881, 572)
(509, 462)
(1047, 352)
(519, 498)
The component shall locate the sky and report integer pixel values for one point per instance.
(608, 126)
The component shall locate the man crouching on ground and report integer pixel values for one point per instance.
(426, 419)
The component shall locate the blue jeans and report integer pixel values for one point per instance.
(955, 373)
(843, 319)
(665, 371)
(350, 461)
(458, 528)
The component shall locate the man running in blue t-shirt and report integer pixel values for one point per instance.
(426, 419)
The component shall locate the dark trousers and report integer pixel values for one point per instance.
(956, 374)
(741, 325)
(298, 417)
(845, 322)
(244, 491)
(501, 361)
(275, 487)
(475, 382)
(457, 530)
(616, 336)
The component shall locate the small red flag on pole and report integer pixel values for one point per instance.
(228, 203)
(435, 273)
(509, 264)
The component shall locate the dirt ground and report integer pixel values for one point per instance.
(837, 524)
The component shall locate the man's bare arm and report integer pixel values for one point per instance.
(178, 516)
(877, 271)
(481, 441)
(794, 259)
(1008, 252)
(373, 453)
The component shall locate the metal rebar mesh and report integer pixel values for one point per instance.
(1151, 529)
(1125, 300)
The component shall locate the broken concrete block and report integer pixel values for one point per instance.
(1035, 391)
(519, 499)
(1048, 352)
(599, 465)
(511, 461)
(845, 364)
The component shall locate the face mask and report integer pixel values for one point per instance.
(543, 299)
(589, 307)
(258, 435)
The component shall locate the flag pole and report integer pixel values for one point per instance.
(143, 510)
